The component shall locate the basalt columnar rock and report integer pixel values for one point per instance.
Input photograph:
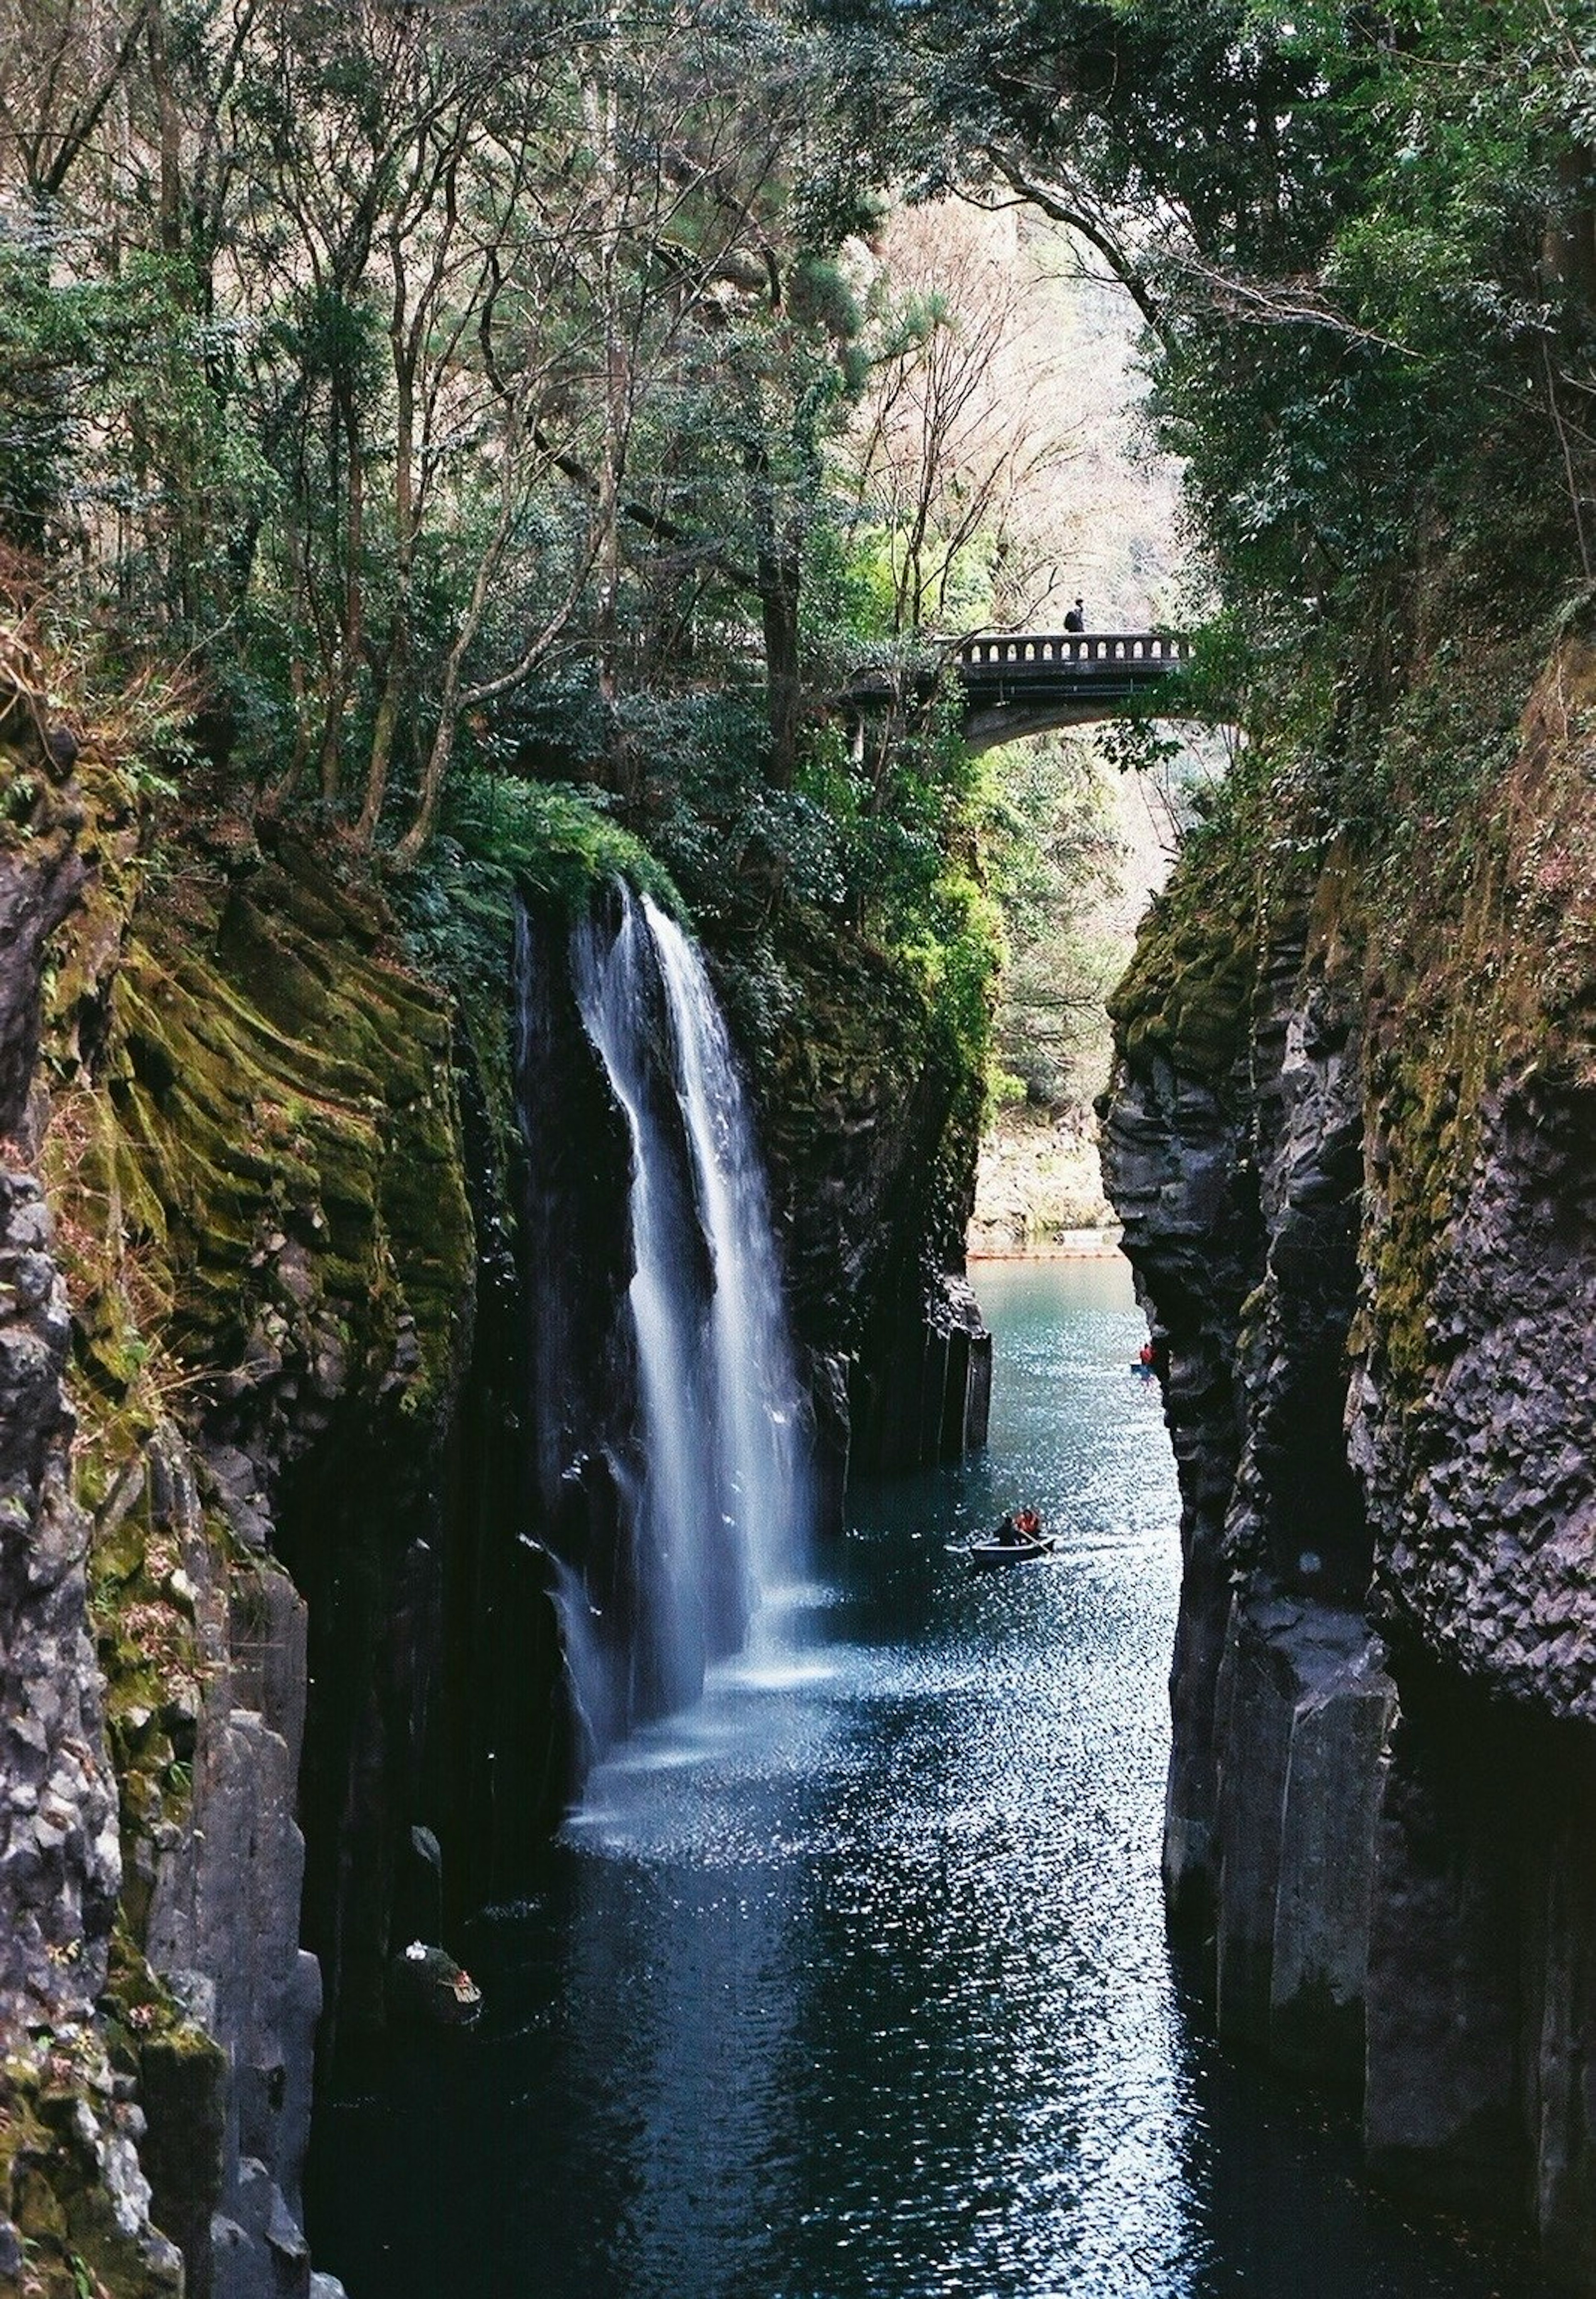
(219, 1096)
(1350, 1137)
(71, 2180)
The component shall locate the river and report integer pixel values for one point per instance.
(852, 1984)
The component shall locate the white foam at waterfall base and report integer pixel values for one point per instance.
(723, 1510)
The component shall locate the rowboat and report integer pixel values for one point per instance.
(992, 1551)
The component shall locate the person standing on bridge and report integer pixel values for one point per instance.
(1076, 620)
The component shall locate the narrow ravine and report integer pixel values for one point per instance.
(854, 1978)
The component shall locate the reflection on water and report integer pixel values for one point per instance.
(853, 1981)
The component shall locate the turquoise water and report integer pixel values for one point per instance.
(854, 1983)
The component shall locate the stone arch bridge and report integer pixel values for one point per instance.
(1020, 683)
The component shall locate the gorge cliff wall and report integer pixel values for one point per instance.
(223, 1090)
(1350, 1136)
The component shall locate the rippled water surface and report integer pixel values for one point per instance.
(854, 1981)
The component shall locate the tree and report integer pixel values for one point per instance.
(958, 426)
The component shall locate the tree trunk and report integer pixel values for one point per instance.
(411, 846)
(382, 746)
(778, 574)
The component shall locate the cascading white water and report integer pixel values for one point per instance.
(767, 1486)
(724, 1501)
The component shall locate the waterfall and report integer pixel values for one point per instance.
(766, 1487)
(715, 1484)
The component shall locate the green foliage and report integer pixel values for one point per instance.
(110, 414)
(42, 347)
(388, 369)
(1138, 743)
(956, 959)
(504, 838)
(1051, 861)
(554, 839)
(704, 806)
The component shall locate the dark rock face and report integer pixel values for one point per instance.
(871, 1123)
(574, 1263)
(223, 1924)
(1380, 1797)
(1175, 1167)
(1239, 1194)
(60, 1865)
(502, 1759)
(1486, 1497)
(1483, 1497)
(60, 1861)
(922, 1387)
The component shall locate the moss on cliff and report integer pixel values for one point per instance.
(872, 1098)
(1484, 970)
(254, 1154)
(1468, 897)
(1188, 993)
(58, 2124)
(266, 1160)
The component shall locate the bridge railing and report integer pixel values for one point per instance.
(1082, 650)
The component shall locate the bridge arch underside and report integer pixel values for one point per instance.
(988, 724)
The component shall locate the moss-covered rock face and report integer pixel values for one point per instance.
(71, 2189)
(243, 1107)
(72, 2197)
(42, 867)
(264, 1162)
(1483, 971)
(1362, 1200)
(1187, 997)
(1480, 1212)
